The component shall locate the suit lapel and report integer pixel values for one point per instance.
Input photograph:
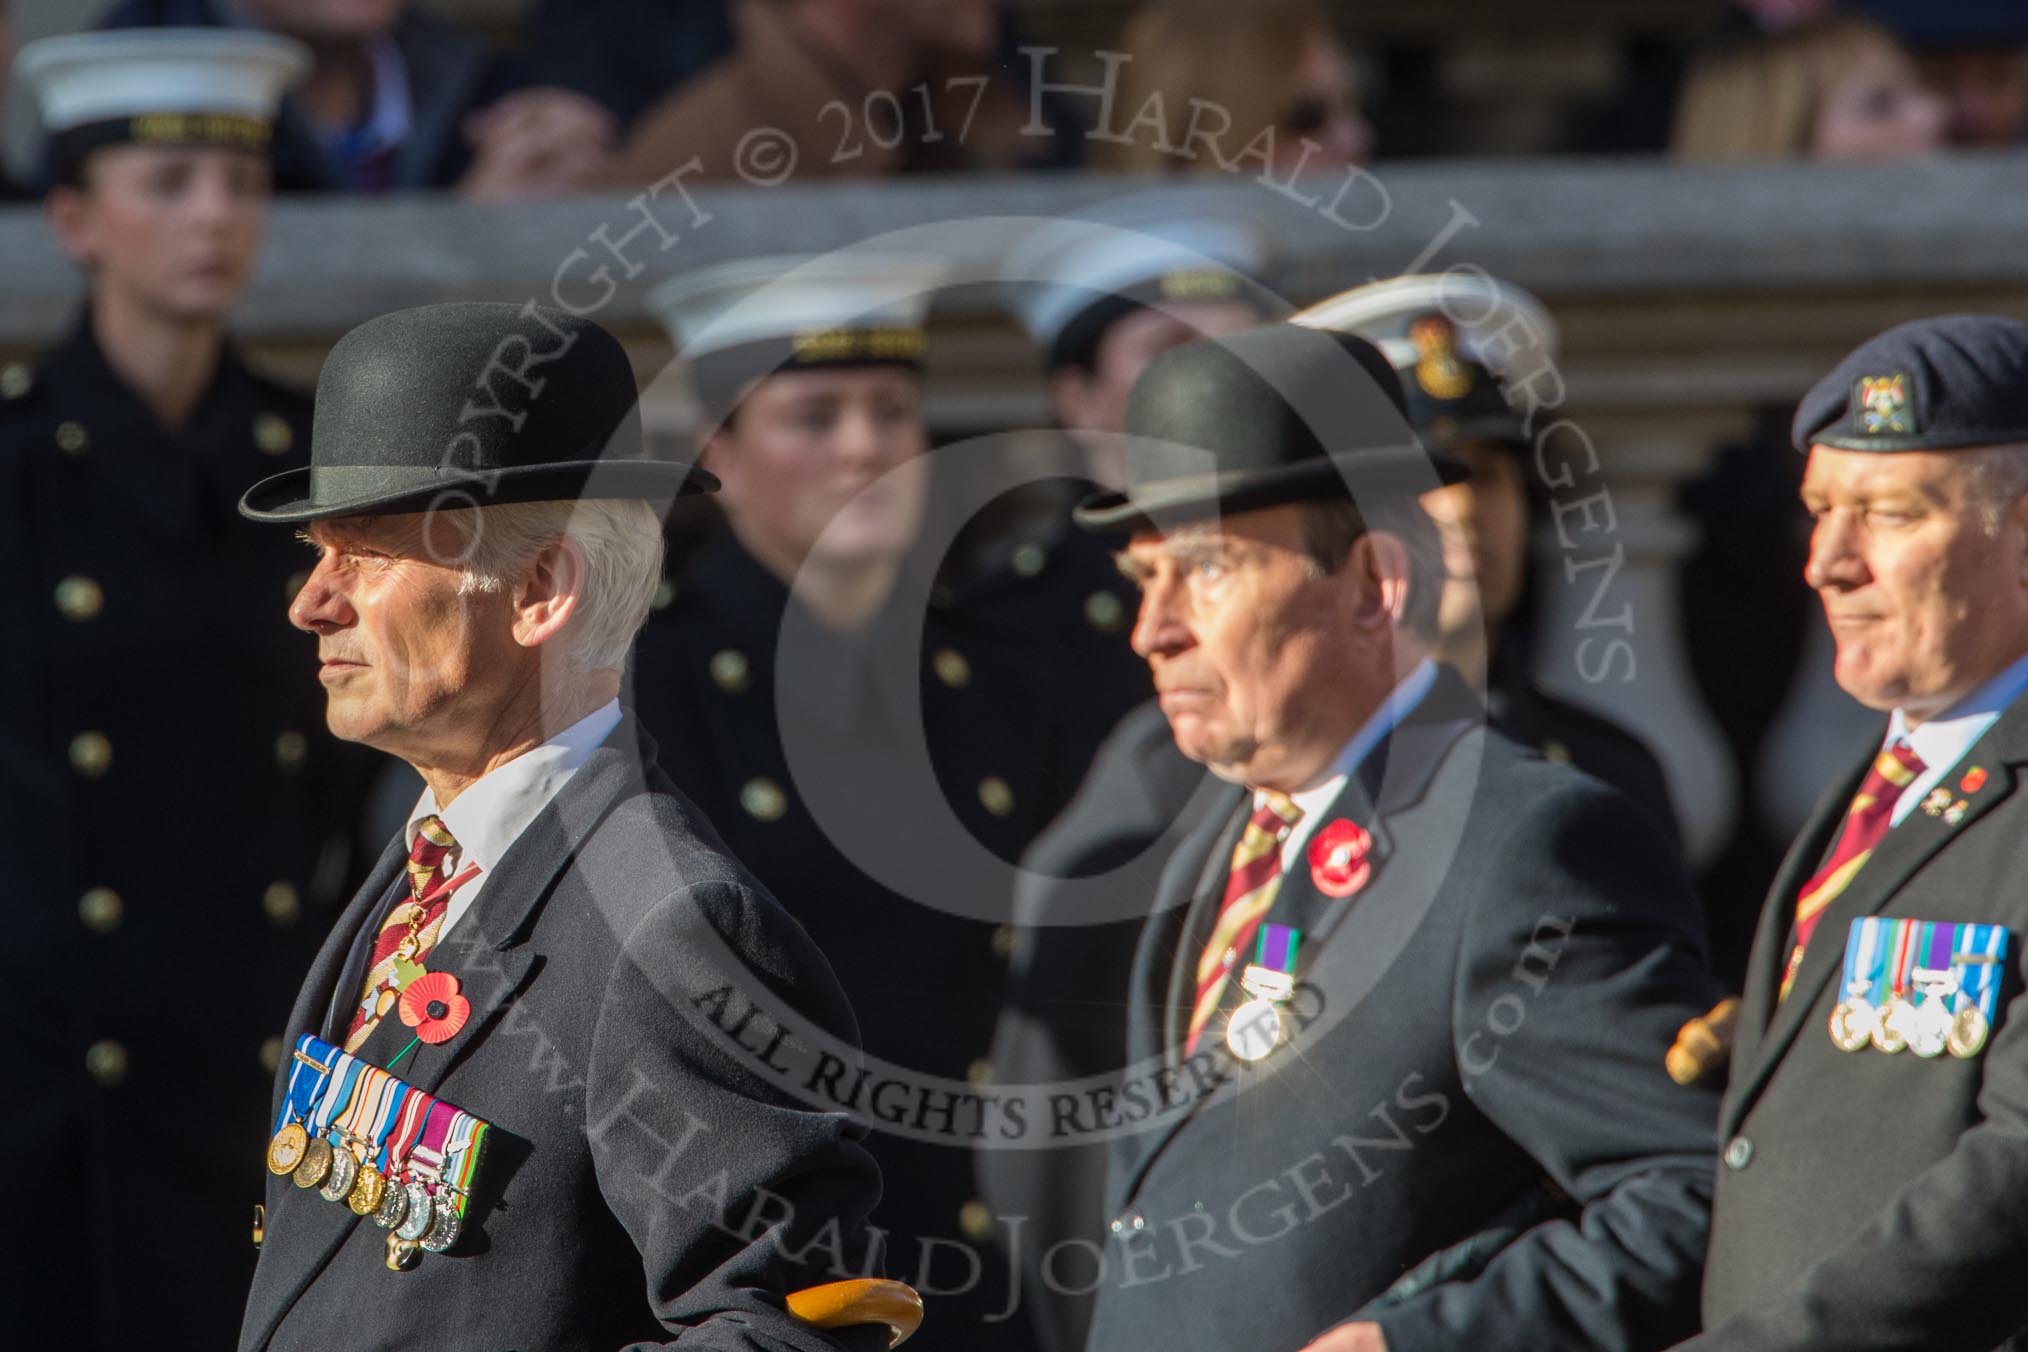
(1154, 1029)
(489, 952)
(1901, 853)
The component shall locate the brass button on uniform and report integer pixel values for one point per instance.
(1103, 611)
(78, 598)
(975, 1218)
(979, 1075)
(91, 754)
(72, 439)
(996, 795)
(272, 434)
(1555, 751)
(730, 670)
(1003, 941)
(271, 1055)
(1738, 1153)
(15, 380)
(952, 668)
(1029, 558)
(291, 750)
(106, 1062)
(763, 799)
(283, 903)
(101, 910)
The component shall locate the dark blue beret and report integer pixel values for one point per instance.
(1928, 385)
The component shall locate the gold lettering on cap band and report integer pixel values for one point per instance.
(226, 129)
(848, 344)
(1198, 284)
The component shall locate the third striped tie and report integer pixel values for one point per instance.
(1249, 892)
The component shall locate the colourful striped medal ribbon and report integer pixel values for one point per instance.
(1853, 1021)
(307, 1077)
(1935, 981)
(464, 1140)
(1897, 1011)
(1980, 962)
(1256, 1028)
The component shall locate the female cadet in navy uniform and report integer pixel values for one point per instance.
(802, 650)
(165, 842)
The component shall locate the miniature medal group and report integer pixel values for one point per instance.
(1923, 986)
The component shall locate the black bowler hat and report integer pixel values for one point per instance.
(471, 404)
(1273, 415)
(1946, 383)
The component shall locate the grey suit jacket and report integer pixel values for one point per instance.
(1487, 1017)
(1874, 1201)
(648, 1179)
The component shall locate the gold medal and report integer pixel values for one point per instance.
(1852, 1025)
(393, 1206)
(1896, 1022)
(285, 1152)
(1254, 1029)
(344, 1172)
(315, 1165)
(1968, 1033)
(364, 1199)
(402, 1254)
(445, 1225)
(416, 1223)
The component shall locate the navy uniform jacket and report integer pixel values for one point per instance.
(643, 1143)
(1483, 1028)
(173, 838)
(924, 965)
(1869, 1200)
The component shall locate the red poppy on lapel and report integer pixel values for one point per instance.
(432, 1006)
(1338, 858)
(1974, 780)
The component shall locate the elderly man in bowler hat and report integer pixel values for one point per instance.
(487, 545)
(1405, 994)
(1876, 1126)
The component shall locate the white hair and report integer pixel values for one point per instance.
(621, 540)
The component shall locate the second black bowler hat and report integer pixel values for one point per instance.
(471, 404)
(1273, 415)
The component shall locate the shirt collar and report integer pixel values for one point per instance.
(1941, 740)
(487, 817)
(1403, 700)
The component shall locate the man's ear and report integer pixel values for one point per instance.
(70, 221)
(1070, 396)
(1378, 564)
(548, 593)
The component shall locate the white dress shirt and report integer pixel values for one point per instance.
(1315, 799)
(1943, 741)
(487, 817)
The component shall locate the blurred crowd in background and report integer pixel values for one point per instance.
(509, 100)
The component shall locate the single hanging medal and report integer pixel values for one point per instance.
(1256, 1028)
(291, 1140)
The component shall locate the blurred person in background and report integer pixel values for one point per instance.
(1459, 406)
(173, 813)
(1837, 88)
(1277, 89)
(909, 85)
(10, 189)
(1973, 54)
(803, 654)
(396, 98)
(1101, 295)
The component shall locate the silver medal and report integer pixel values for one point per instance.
(416, 1223)
(344, 1171)
(393, 1206)
(446, 1226)
(1254, 1030)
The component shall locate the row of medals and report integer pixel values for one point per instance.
(1928, 1029)
(414, 1217)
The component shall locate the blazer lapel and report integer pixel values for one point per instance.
(1903, 851)
(487, 950)
(1154, 1029)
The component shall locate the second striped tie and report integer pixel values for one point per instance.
(1249, 893)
